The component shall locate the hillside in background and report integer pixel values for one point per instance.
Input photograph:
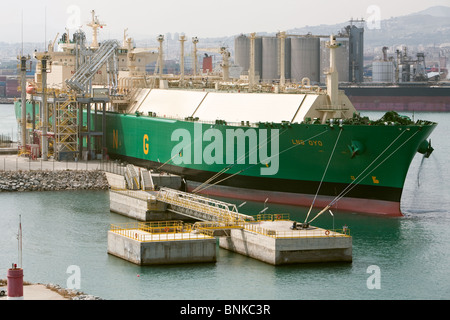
(428, 27)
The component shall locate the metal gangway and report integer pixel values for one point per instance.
(202, 208)
(213, 215)
(132, 178)
(147, 180)
(86, 72)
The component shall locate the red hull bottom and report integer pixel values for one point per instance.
(366, 206)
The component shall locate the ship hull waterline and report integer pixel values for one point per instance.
(192, 181)
(316, 162)
(304, 151)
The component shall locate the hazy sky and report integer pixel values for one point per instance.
(201, 18)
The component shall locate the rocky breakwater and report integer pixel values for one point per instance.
(70, 293)
(22, 181)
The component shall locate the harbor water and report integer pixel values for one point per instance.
(393, 258)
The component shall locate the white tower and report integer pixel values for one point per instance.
(182, 41)
(95, 24)
(332, 74)
(195, 41)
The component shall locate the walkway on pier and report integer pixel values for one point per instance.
(138, 183)
(201, 208)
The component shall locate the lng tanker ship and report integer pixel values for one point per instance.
(308, 147)
(301, 148)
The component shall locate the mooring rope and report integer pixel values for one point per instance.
(324, 174)
(243, 170)
(353, 184)
(247, 154)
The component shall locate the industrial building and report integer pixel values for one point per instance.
(302, 56)
(401, 68)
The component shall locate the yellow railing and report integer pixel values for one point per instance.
(220, 213)
(217, 225)
(159, 231)
(307, 233)
(162, 227)
(272, 217)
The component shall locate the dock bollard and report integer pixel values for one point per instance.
(15, 283)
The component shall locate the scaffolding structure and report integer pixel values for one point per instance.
(66, 124)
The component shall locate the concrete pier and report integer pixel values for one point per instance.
(138, 204)
(145, 245)
(274, 242)
(166, 203)
(273, 239)
(135, 204)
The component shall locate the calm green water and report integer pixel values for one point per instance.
(63, 229)
(8, 123)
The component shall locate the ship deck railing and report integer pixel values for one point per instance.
(243, 123)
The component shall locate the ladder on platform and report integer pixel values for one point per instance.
(132, 178)
(66, 123)
(147, 180)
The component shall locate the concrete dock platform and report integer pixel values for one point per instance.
(274, 239)
(276, 243)
(168, 244)
(139, 204)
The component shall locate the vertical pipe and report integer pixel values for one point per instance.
(96, 138)
(104, 132)
(55, 113)
(88, 137)
(251, 73)
(80, 130)
(45, 107)
(182, 41)
(282, 59)
(195, 41)
(23, 72)
(332, 80)
(34, 116)
(161, 56)
(20, 240)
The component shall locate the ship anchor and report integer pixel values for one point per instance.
(356, 148)
(426, 149)
(430, 150)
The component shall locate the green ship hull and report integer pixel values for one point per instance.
(352, 166)
(356, 165)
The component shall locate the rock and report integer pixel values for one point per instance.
(53, 181)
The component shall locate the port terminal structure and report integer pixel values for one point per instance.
(178, 227)
(56, 125)
(270, 238)
(69, 87)
(83, 79)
